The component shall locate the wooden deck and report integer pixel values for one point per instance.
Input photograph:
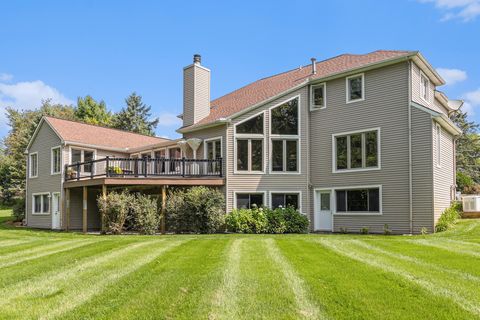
(157, 181)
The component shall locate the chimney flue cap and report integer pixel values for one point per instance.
(314, 65)
(197, 59)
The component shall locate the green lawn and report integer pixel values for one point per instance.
(48, 275)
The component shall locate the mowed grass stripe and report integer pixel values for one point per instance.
(373, 260)
(347, 288)
(417, 261)
(50, 280)
(40, 248)
(306, 308)
(436, 243)
(95, 284)
(179, 285)
(42, 254)
(224, 304)
(55, 263)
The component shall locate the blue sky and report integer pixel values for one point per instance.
(108, 49)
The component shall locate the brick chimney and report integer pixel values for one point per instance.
(196, 92)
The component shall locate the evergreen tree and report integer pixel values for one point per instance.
(135, 117)
(468, 147)
(90, 111)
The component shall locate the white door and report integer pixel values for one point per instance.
(56, 210)
(323, 212)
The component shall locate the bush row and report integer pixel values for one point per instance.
(265, 220)
(449, 217)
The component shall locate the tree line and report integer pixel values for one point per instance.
(135, 116)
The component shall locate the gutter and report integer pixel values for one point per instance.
(410, 174)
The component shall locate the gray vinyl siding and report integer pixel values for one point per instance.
(444, 177)
(76, 210)
(45, 140)
(205, 134)
(422, 174)
(267, 182)
(385, 106)
(431, 103)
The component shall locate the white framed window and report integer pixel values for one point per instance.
(362, 200)
(249, 148)
(318, 96)
(41, 203)
(355, 87)
(424, 87)
(56, 160)
(248, 200)
(284, 136)
(283, 199)
(213, 148)
(79, 155)
(33, 165)
(356, 151)
(438, 145)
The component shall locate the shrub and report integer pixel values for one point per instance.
(114, 209)
(18, 209)
(247, 221)
(448, 218)
(473, 189)
(343, 230)
(145, 215)
(264, 220)
(424, 231)
(386, 230)
(364, 230)
(196, 209)
(295, 221)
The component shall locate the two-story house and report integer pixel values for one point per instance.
(353, 141)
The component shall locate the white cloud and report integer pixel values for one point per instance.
(465, 10)
(472, 101)
(29, 95)
(26, 95)
(168, 120)
(452, 76)
(5, 77)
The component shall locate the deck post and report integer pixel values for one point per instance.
(67, 213)
(164, 205)
(102, 218)
(84, 211)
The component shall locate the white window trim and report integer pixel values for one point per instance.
(313, 107)
(246, 136)
(220, 138)
(52, 165)
(438, 145)
(427, 93)
(347, 88)
(30, 165)
(235, 193)
(284, 138)
(333, 200)
(49, 205)
(82, 154)
(287, 137)
(334, 151)
(271, 192)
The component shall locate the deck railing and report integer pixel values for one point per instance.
(146, 167)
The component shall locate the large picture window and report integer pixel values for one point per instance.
(284, 122)
(284, 200)
(249, 145)
(358, 150)
(249, 200)
(365, 200)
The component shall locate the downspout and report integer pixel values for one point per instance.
(410, 183)
(26, 186)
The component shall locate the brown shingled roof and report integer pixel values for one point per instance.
(266, 88)
(73, 131)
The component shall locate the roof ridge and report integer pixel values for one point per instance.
(105, 127)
